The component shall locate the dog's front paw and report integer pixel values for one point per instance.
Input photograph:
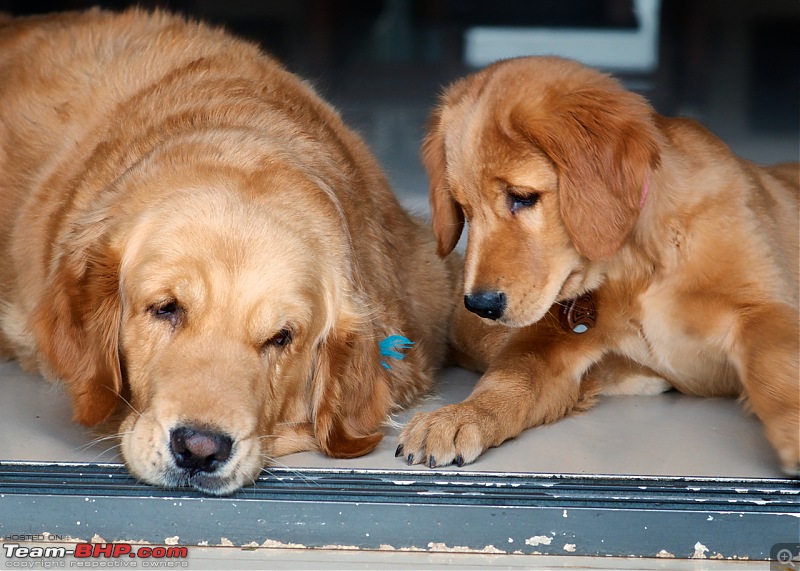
(453, 434)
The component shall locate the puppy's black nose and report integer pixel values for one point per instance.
(199, 450)
(488, 304)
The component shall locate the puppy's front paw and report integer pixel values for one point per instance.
(453, 434)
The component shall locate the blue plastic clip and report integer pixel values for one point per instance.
(391, 347)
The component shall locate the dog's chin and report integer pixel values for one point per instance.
(574, 284)
(173, 478)
(515, 320)
(205, 483)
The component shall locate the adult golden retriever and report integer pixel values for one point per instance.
(645, 236)
(191, 237)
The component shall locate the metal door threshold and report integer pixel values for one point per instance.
(480, 512)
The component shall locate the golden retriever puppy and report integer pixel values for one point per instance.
(192, 238)
(602, 233)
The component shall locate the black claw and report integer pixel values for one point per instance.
(410, 459)
(432, 462)
(399, 451)
(459, 461)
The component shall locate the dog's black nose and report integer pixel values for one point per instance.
(488, 304)
(199, 450)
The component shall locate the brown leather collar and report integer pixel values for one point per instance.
(578, 315)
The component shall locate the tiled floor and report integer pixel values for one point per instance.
(665, 435)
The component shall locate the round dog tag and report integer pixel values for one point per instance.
(578, 315)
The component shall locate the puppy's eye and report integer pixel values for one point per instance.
(518, 201)
(169, 310)
(281, 339)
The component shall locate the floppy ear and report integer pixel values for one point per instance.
(446, 215)
(352, 397)
(604, 143)
(76, 326)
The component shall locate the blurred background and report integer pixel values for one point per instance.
(733, 64)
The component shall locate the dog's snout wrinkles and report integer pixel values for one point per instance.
(488, 304)
(199, 450)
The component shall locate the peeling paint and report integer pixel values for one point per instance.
(462, 549)
(570, 547)
(98, 539)
(225, 542)
(491, 549)
(700, 551)
(443, 547)
(172, 540)
(281, 545)
(537, 540)
(664, 554)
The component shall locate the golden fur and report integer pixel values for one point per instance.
(193, 239)
(569, 184)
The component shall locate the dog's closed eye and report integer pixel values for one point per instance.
(168, 310)
(281, 339)
(519, 199)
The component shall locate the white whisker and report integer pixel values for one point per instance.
(130, 406)
(276, 464)
(99, 455)
(95, 441)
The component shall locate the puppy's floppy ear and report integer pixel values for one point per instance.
(76, 325)
(351, 393)
(446, 215)
(604, 143)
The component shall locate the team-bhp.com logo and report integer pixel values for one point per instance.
(93, 555)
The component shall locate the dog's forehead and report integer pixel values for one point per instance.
(463, 133)
(481, 149)
(244, 247)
